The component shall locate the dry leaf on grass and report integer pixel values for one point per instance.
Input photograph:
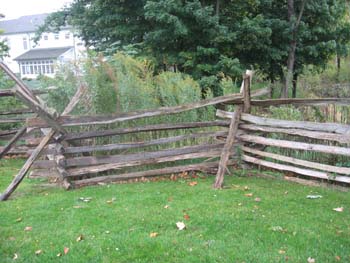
(66, 250)
(246, 188)
(28, 228)
(180, 225)
(59, 255)
(338, 209)
(15, 256)
(249, 194)
(192, 183)
(166, 206)
(311, 260)
(337, 258)
(257, 199)
(281, 251)
(38, 252)
(186, 217)
(80, 238)
(19, 219)
(153, 234)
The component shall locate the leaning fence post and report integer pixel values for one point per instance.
(227, 150)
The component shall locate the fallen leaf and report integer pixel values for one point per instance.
(59, 255)
(281, 251)
(286, 192)
(80, 238)
(19, 219)
(66, 250)
(77, 206)
(337, 258)
(249, 194)
(277, 229)
(15, 256)
(28, 228)
(85, 199)
(192, 183)
(246, 188)
(107, 232)
(180, 225)
(186, 217)
(257, 199)
(166, 206)
(311, 260)
(313, 196)
(12, 238)
(338, 209)
(170, 199)
(153, 234)
(38, 252)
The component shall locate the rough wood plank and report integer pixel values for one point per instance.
(306, 172)
(341, 138)
(313, 126)
(12, 120)
(133, 145)
(301, 102)
(158, 127)
(246, 93)
(142, 161)
(295, 161)
(17, 111)
(149, 173)
(19, 177)
(295, 145)
(225, 154)
(13, 141)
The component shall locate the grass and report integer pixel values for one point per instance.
(224, 226)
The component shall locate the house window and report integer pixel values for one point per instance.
(67, 36)
(46, 37)
(37, 67)
(57, 36)
(25, 43)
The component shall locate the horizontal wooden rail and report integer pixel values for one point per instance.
(295, 145)
(306, 125)
(306, 172)
(147, 128)
(133, 145)
(341, 138)
(295, 161)
(301, 102)
(163, 171)
(96, 160)
(142, 161)
(16, 112)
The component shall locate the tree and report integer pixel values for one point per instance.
(4, 48)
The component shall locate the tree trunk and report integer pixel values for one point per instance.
(292, 47)
(217, 7)
(295, 82)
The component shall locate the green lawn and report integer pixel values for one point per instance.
(223, 226)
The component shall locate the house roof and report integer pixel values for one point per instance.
(23, 24)
(43, 53)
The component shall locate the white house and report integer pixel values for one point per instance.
(30, 59)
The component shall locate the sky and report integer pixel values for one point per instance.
(16, 8)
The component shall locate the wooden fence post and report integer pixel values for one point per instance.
(246, 93)
(225, 154)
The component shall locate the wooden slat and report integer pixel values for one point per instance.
(227, 149)
(12, 120)
(341, 138)
(295, 145)
(301, 102)
(164, 171)
(158, 127)
(295, 161)
(306, 172)
(13, 141)
(133, 145)
(142, 161)
(313, 126)
(16, 112)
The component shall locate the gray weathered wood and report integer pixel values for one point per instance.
(17, 111)
(13, 141)
(19, 177)
(306, 172)
(226, 151)
(295, 161)
(163, 171)
(295, 145)
(301, 102)
(306, 125)
(341, 138)
(246, 93)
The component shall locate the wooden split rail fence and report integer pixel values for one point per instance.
(87, 150)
